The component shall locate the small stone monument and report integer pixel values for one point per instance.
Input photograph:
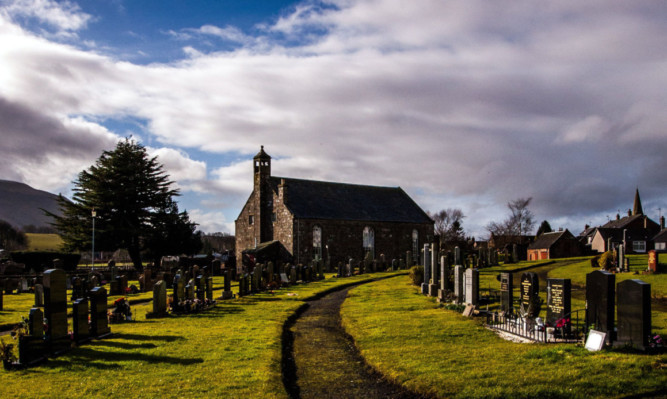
(159, 299)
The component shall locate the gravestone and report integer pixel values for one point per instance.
(148, 282)
(199, 286)
(408, 259)
(634, 313)
(394, 265)
(122, 284)
(506, 292)
(283, 279)
(55, 309)
(530, 295)
(340, 269)
(269, 272)
(179, 290)
(31, 346)
(80, 320)
(401, 264)
(190, 290)
(620, 262)
(444, 279)
(227, 291)
(216, 267)
(427, 269)
(435, 272)
(209, 288)
(36, 323)
(160, 298)
(99, 323)
(457, 256)
(114, 287)
(472, 287)
(253, 282)
(559, 295)
(458, 283)
(39, 295)
(600, 298)
(292, 275)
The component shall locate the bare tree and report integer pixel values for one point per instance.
(519, 222)
(448, 225)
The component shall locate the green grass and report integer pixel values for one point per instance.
(44, 242)
(232, 350)
(407, 337)
(577, 273)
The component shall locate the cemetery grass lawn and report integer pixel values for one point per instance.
(408, 338)
(577, 273)
(44, 242)
(231, 350)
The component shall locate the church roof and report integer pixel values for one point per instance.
(637, 206)
(309, 199)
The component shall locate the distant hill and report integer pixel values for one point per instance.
(20, 204)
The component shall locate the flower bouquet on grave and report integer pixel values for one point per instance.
(655, 341)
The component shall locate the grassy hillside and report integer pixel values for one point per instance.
(44, 242)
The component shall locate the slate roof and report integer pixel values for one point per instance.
(309, 199)
(546, 240)
(661, 237)
(622, 222)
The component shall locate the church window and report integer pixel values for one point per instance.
(251, 219)
(369, 241)
(317, 242)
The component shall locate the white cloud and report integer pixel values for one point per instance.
(178, 164)
(211, 222)
(65, 16)
(456, 99)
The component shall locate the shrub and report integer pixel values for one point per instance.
(606, 260)
(39, 261)
(417, 274)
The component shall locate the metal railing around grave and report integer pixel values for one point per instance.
(570, 329)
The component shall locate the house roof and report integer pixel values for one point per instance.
(661, 237)
(309, 199)
(622, 222)
(546, 240)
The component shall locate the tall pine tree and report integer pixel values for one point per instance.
(133, 200)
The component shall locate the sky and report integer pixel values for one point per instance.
(464, 104)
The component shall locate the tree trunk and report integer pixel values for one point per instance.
(135, 255)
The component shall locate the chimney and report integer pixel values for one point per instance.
(618, 216)
(662, 222)
(586, 227)
(629, 212)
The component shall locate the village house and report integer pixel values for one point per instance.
(635, 231)
(330, 221)
(557, 244)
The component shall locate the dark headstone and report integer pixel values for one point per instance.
(200, 289)
(227, 292)
(216, 267)
(600, 298)
(506, 292)
(634, 313)
(530, 294)
(39, 295)
(80, 320)
(559, 295)
(55, 309)
(99, 323)
(36, 323)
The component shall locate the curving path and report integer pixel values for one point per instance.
(321, 361)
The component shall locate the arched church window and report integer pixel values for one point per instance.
(317, 242)
(369, 241)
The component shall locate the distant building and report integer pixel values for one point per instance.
(635, 231)
(505, 243)
(558, 244)
(315, 219)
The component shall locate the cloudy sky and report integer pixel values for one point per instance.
(466, 104)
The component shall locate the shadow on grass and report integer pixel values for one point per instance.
(143, 337)
(122, 345)
(90, 357)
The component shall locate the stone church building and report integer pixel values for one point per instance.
(325, 220)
